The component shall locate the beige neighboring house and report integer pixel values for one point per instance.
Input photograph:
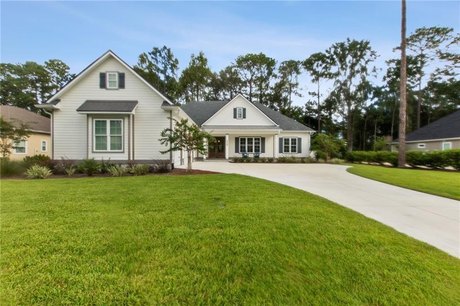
(39, 140)
(442, 134)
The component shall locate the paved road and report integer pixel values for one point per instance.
(429, 218)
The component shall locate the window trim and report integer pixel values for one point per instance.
(107, 124)
(446, 142)
(290, 145)
(253, 144)
(41, 145)
(107, 82)
(25, 147)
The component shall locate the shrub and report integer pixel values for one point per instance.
(117, 170)
(70, 171)
(139, 169)
(89, 166)
(104, 166)
(64, 166)
(11, 167)
(163, 166)
(380, 157)
(38, 172)
(40, 159)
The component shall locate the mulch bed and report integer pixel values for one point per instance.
(81, 175)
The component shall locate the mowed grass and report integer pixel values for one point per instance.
(441, 183)
(205, 239)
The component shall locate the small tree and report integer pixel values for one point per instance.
(9, 135)
(327, 146)
(185, 137)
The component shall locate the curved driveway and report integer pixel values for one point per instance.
(432, 219)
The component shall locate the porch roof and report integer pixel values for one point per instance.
(107, 106)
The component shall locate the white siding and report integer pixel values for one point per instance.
(225, 115)
(70, 130)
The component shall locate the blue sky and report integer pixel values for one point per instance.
(78, 32)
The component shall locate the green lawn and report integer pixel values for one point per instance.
(205, 239)
(442, 183)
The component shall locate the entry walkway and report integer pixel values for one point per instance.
(432, 219)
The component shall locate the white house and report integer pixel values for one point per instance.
(109, 112)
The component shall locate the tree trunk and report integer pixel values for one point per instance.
(393, 119)
(419, 101)
(319, 111)
(403, 92)
(375, 134)
(350, 130)
(189, 161)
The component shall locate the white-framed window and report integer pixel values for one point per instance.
(44, 145)
(112, 80)
(290, 145)
(421, 146)
(20, 147)
(239, 113)
(108, 135)
(446, 146)
(250, 145)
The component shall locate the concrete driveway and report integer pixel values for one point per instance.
(432, 219)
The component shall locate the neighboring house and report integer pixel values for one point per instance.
(243, 127)
(39, 140)
(109, 112)
(442, 134)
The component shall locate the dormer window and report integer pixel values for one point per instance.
(112, 80)
(239, 113)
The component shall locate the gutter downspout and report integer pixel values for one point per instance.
(52, 131)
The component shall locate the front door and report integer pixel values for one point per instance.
(217, 148)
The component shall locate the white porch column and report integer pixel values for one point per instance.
(227, 140)
(275, 145)
(206, 144)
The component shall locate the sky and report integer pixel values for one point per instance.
(77, 32)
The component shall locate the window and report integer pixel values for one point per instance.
(421, 146)
(290, 145)
(108, 135)
(20, 147)
(446, 146)
(250, 145)
(239, 113)
(112, 80)
(44, 146)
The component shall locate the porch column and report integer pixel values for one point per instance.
(227, 140)
(206, 144)
(275, 145)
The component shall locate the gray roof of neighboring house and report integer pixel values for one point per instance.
(446, 127)
(202, 111)
(107, 106)
(18, 116)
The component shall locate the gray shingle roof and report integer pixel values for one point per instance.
(202, 111)
(107, 106)
(446, 127)
(17, 116)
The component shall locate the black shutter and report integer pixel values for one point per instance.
(237, 144)
(299, 145)
(281, 144)
(244, 113)
(102, 80)
(262, 145)
(121, 80)
(234, 114)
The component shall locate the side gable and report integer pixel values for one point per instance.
(53, 102)
(225, 116)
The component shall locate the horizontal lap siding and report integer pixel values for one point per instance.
(70, 129)
(305, 144)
